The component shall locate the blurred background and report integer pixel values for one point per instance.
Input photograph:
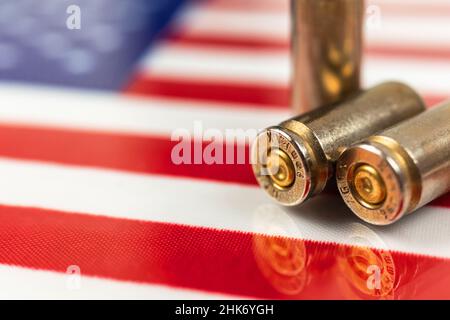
(212, 50)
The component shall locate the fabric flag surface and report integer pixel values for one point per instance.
(92, 205)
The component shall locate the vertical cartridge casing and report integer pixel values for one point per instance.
(294, 160)
(399, 170)
(326, 51)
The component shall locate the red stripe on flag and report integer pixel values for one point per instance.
(249, 5)
(212, 260)
(252, 43)
(443, 201)
(232, 92)
(432, 100)
(187, 39)
(142, 154)
(249, 94)
(424, 53)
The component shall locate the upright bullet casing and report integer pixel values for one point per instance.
(294, 160)
(399, 170)
(326, 51)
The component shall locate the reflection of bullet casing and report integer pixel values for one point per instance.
(326, 51)
(359, 262)
(294, 160)
(399, 170)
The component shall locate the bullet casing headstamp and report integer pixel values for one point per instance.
(294, 160)
(397, 171)
(326, 42)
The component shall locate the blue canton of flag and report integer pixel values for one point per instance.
(37, 45)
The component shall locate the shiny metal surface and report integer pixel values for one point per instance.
(368, 186)
(413, 158)
(326, 51)
(280, 168)
(315, 140)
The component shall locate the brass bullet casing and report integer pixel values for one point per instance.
(326, 54)
(294, 160)
(409, 165)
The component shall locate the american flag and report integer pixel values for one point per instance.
(91, 205)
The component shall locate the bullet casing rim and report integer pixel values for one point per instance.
(301, 188)
(399, 174)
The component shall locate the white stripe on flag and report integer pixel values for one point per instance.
(209, 204)
(181, 62)
(393, 29)
(112, 112)
(173, 60)
(236, 23)
(21, 283)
